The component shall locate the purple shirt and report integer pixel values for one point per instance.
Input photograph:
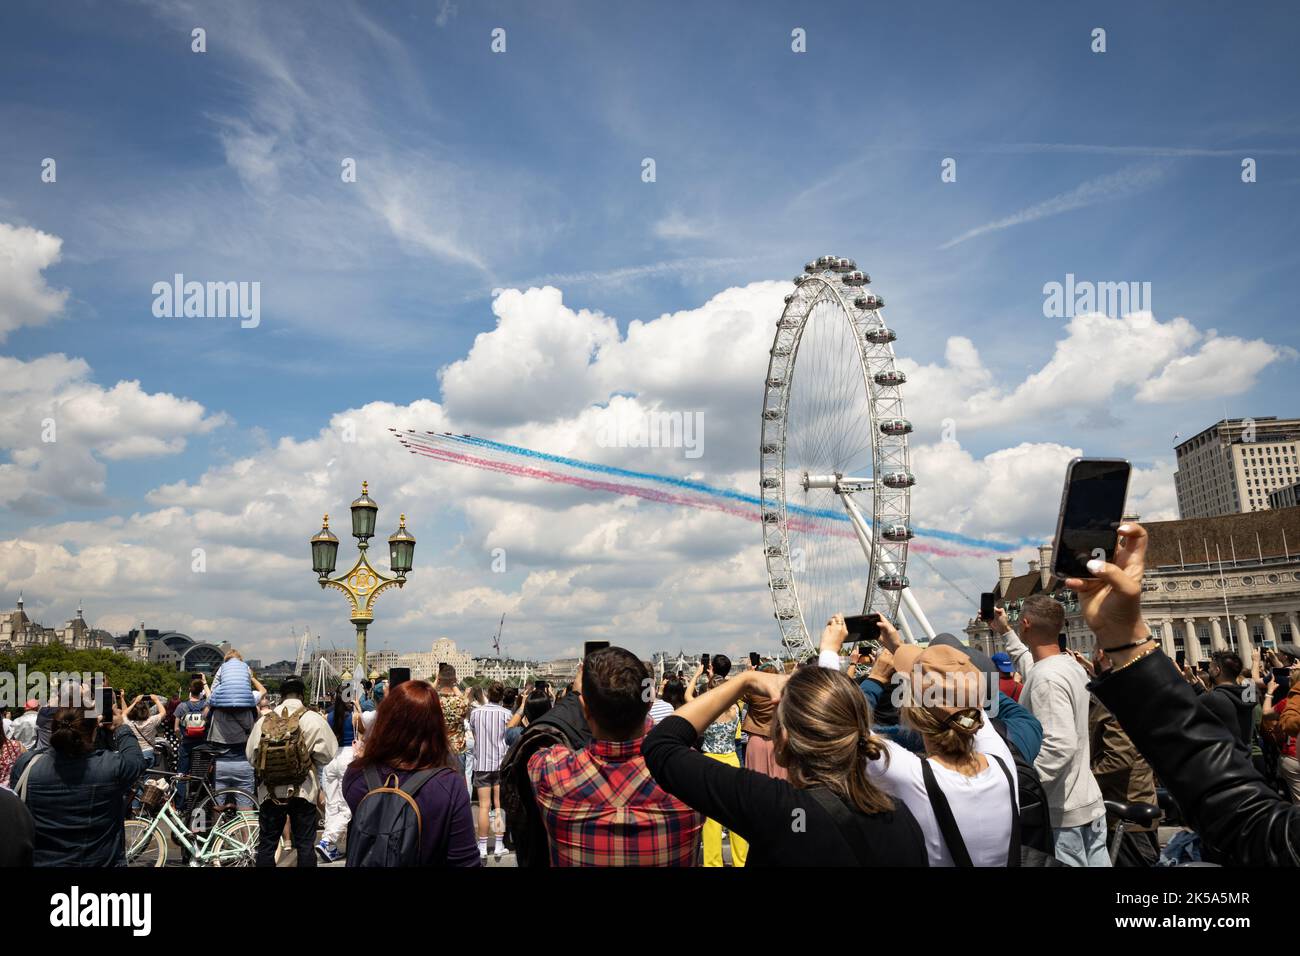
(446, 821)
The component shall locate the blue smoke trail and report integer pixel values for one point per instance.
(704, 488)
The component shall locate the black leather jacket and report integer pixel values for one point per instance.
(1222, 796)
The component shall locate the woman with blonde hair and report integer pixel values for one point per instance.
(828, 812)
(963, 792)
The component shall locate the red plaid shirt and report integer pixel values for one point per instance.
(601, 807)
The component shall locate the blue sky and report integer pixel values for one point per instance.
(478, 171)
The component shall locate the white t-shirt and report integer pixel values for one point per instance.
(980, 804)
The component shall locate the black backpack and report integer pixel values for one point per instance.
(564, 726)
(1035, 815)
(387, 827)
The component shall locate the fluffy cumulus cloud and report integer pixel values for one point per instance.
(1099, 359)
(60, 428)
(25, 297)
(223, 554)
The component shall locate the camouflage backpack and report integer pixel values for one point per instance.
(282, 758)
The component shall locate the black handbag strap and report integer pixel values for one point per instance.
(948, 824)
(845, 821)
(943, 816)
(1013, 851)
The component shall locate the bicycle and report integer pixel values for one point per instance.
(222, 830)
(1129, 815)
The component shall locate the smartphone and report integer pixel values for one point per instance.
(398, 675)
(590, 646)
(1281, 674)
(704, 661)
(1181, 658)
(754, 659)
(863, 627)
(1061, 642)
(1092, 507)
(107, 698)
(986, 606)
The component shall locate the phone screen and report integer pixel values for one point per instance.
(863, 627)
(1181, 658)
(704, 661)
(1092, 507)
(590, 646)
(754, 659)
(986, 606)
(398, 675)
(1061, 642)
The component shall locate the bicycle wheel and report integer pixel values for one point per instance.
(142, 847)
(215, 808)
(235, 844)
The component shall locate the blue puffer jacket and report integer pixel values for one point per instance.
(233, 685)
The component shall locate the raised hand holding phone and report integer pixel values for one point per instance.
(1111, 601)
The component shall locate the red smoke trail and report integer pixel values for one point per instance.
(636, 491)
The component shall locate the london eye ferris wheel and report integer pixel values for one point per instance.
(834, 471)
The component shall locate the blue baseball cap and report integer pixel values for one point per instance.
(1003, 662)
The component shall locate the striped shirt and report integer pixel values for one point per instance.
(659, 710)
(488, 724)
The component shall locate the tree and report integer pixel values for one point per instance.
(118, 671)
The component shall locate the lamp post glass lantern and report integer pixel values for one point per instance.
(363, 583)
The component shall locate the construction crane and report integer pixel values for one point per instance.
(496, 641)
(301, 661)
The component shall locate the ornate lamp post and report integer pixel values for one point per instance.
(363, 583)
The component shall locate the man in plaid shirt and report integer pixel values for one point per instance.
(600, 805)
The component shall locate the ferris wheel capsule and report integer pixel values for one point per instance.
(844, 265)
(854, 278)
(896, 426)
(880, 336)
(893, 582)
(890, 378)
(897, 532)
(811, 267)
(898, 479)
(789, 298)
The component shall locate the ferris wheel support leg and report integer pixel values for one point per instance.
(914, 609)
(908, 637)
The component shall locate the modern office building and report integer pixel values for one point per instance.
(1234, 465)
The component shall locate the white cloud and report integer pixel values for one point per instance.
(1100, 359)
(60, 428)
(25, 298)
(1222, 366)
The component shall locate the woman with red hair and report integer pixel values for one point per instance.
(409, 736)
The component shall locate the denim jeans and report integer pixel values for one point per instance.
(234, 773)
(1084, 845)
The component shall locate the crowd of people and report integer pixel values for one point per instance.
(897, 754)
